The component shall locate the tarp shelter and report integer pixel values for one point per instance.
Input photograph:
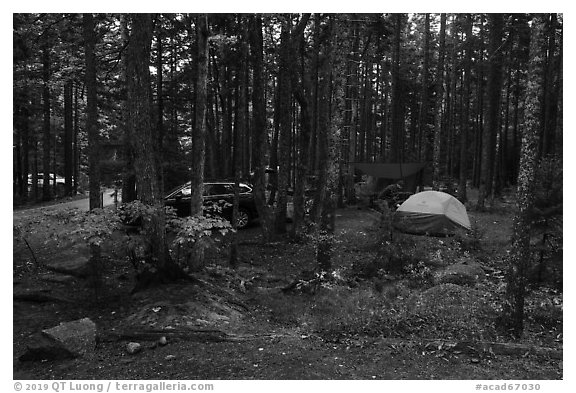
(384, 174)
(431, 212)
(394, 171)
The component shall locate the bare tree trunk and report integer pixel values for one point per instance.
(259, 127)
(451, 83)
(550, 89)
(397, 142)
(301, 94)
(477, 162)
(144, 138)
(239, 135)
(520, 253)
(25, 118)
(285, 120)
(92, 113)
(465, 111)
(68, 136)
(199, 135)
(323, 211)
(160, 107)
(129, 193)
(439, 100)
(76, 150)
(494, 90)
(352, 106)
(46, 119)
(425, 134)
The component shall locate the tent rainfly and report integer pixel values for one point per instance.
(432, 213)
(389, 171)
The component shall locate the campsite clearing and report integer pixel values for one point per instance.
(240, 325)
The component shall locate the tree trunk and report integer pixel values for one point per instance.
(35, 168)
(451, 83)
(504, 150)
(465, 111)
(312, 148)
(25, 128)
(519, 258)
(68, 137)
(239, 135)
(129, 193)
(439, 100)
(323, 136)
(199, 135)
(323, 211)
(92, 113)
(397, 142)
(494, 90)
(273, 182)
(550, 90)
(76, 150)
(477, 163)
(227, 112)
(144, 139)
(199, 132)
(352, 106)
(259, 140)
(160, 106)
(46, 119)
(285, 120)
(425, 135)
(302, 95)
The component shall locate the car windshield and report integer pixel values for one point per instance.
(210, 189)
(180, 189)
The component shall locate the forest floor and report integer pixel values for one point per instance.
(239, 323)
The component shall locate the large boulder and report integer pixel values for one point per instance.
(67, 340)
(467, 273)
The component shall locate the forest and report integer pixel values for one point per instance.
(296, 107)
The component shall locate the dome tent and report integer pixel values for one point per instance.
(432, 213)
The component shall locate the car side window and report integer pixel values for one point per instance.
(229, 188)
(218, 189)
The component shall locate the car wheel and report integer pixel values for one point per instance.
(243, 219)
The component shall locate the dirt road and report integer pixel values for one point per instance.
(75, 203)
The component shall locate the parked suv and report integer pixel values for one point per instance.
(219, 193)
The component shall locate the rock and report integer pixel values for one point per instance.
(57, 278)
(65, 341)
(78, 337)
(460, 274)
(73, 265)
(42, 348)
(133, 348)
(162, 340)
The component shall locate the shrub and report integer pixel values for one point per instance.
(545, 307)
(191, 235)
(419, 275)
(471, 240)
